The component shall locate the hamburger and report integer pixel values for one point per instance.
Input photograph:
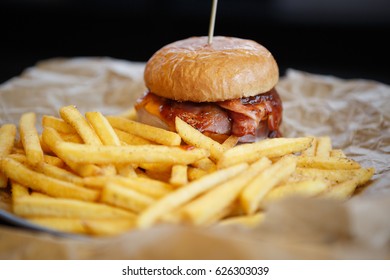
(221, 89)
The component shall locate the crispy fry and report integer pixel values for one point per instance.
(146, 186)
(103, 128)
(104, 227)
(51, 137)
(127, 198)
(253, 194)
(230, 142)
(131, 139)
(42, 183)
(186, 193)
(66, 208)
(7, 140)
(58, 124)
(275, 147)
(68, 225)
(327, 162)
(324, 146)
(129, 154)
(250, 221)
(192, 136)
(30, 138)
(337, 153)
(306, 188)
(179, 175)
(311, 150)
(148, 132)
(335, 176)
(195, 173)
(73, 117)
(205, 164)
(18, 191)
(202, 209)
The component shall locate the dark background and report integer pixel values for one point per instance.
(344, 38)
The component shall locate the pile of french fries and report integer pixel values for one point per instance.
(103, 175)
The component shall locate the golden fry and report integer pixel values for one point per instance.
(51, 137)
(58, 124)
(30, 138)
(179, 175)
(73, 117)
(66, 208)
(193, 137)
(275, 147)
(131, 139)
(42, 183)
(253, 194)
(203, 208)
(250, 221)
(7, 140)
(327, 163)
(129, 154)
(103, 128)
(127, 198)
(324, 146)
(186, 193)
(151, 133)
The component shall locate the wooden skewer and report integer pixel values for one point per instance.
(212, 21)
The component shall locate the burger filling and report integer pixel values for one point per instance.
(249, 118)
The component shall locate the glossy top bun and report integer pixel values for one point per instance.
(193, 70)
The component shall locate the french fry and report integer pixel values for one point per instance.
(67, 225)
(129, 154)
(38, 194)
(127, 198)
(59, 173)
(185, 194)
(71, 137)
(327, 162)
(42, 183)
(7, 139)
(250, 221)
(58, 124)
(335, 176)
(253, 194)
(107, 227)
(126, 170)
(73, 117)
(18, 191)
(51, 137)
(30, 138)
(203, 208)
(205, 164)
(195, 173)
(193, 137)
(230, 142)
(147, 186)
(305, 188)
(52, 160)
(275, 147)
(103, 128)
(324, 146)
(311, 150)
(131, 139)
(337, 153)
(66, 208)
(151, 133)
(341, 191)
(179, 175)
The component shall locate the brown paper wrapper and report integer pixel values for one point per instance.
(354, 113)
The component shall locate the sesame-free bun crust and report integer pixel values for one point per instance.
(193, 70)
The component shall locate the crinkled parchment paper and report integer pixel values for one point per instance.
(354, 113)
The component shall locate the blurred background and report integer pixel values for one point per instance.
(344, 38)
